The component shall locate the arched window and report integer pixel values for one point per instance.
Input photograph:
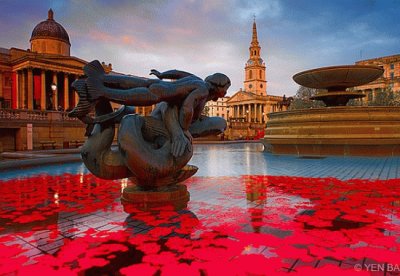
(260, 74)
(250, 74)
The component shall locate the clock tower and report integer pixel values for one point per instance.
(254, 79)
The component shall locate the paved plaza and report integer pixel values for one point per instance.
(250, 213)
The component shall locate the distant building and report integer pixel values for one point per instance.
(390, 79)
(40, 78)
(35, 91)
(218, 108)
(248, 107)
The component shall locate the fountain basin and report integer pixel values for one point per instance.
(346, 131)
(338, 78)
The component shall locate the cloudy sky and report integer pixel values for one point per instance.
(210, 36)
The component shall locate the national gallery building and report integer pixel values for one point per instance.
(35, 90)
(40, 78)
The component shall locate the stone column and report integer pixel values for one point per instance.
(66, 92)
(374, 94)
(262, 110)
(253, 112)
(22, 104)
(76, 94)
(30, 89)
(250, 113)
(364, 99)
(55, 93)
(43, 103)
(17, 80)
(257, 113)
(1, 84)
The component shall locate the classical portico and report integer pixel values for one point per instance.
(40, 78)
(38, 85)
(35, 90)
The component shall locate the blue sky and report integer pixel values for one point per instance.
(210, 36)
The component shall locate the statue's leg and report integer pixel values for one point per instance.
(207, 126)
(96, 152)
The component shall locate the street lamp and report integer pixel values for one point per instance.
(53, 87)
(53, 92)
(263, 117)
(247, 115)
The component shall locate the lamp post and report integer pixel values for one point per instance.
(53, 92)
(263, 117)
(247, 115)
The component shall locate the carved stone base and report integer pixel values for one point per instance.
(134, 197)
(340, 130)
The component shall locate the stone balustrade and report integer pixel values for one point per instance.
(34, 115)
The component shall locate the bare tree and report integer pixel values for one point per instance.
(302, 99)
(385, 97)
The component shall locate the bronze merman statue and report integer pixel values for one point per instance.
(155, 149)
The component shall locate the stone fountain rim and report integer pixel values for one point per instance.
(335, 67)
(371, 108)
(316, 78)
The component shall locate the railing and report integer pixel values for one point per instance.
(246, 125)
(10, 114)
(34, 115)
(37, 115)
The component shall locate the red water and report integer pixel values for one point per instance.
(248, 225)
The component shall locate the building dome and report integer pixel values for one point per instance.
(49, 37)
(50, 29)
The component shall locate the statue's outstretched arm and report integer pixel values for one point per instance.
(170, 74)
(127, 82)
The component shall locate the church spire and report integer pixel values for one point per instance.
(254, 45)
(254, 40)
(255, 80)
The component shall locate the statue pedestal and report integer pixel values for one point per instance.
(134, 197)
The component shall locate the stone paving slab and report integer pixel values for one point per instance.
(246, 206)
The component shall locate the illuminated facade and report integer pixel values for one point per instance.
(390, 80)
(218, 108)
(40, 78)
(35, 91)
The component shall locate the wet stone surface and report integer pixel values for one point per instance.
(240, 223)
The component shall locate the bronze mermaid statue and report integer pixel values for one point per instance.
(152, 150)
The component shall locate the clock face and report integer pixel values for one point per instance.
(250, 62)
